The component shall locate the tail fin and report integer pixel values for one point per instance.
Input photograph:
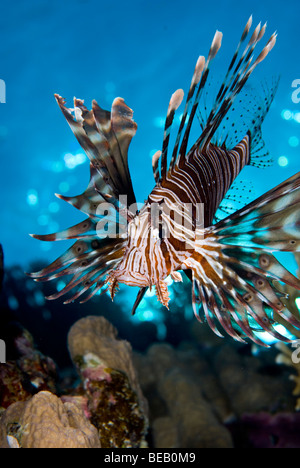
(235, 272)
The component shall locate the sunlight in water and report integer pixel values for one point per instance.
(283, 161)
(269, 339)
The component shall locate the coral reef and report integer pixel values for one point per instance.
(176, 382)
(252, 382)
(45, 421)
(114, 401)
(107, 408)
(291, 359)
(206, 393)
(29, 373)
(202, 391)
(97, 336)
(198, 395)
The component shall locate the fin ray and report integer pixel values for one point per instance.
(235, 267)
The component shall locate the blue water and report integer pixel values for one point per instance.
(139, 50)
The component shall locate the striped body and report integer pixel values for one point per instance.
(159, 243)
(205, 176)
(231, 263)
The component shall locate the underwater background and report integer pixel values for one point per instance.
(141, 51)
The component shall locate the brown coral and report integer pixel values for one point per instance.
(198, 396)
(182, 416)
(97, 336)
(45, 421)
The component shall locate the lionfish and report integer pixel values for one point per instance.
(230, 263)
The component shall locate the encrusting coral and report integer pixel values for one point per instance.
(96, 336)
(201, 394)
(113, 400)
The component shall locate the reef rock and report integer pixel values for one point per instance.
(114, 401)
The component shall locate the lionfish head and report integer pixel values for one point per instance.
(144, 263)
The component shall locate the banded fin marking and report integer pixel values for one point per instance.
(237, 75)
(195, 80)
(155, 166)
(235, 272)
(200, 72)
(174, 103)
(105, 137)
(214, 48)
(235, 84)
